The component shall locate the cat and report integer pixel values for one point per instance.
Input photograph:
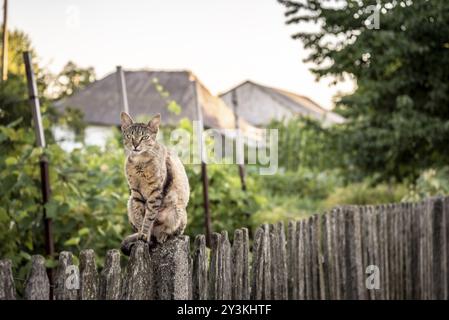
(158, 184)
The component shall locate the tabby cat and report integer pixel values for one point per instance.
(157, 181)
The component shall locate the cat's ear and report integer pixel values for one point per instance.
(125, 120)
(154, 123)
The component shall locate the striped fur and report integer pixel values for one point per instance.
(158, 184)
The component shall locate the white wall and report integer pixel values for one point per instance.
(94, 135)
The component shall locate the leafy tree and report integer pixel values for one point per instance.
(71, 78)
(306, 143)
(13, 92)
(398, 117)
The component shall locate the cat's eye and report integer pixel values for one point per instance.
(145, 137)
(128, 136)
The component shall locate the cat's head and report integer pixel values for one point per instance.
(139, 137)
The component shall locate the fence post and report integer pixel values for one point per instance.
(279, 288)
(383, 242)
(300, 271)
(199, 269)
(446, 217)
(336, 273)
(401, 250)
(225, 267)
(308, 277)
(88, 276)
(408, 277)
(170, 269)
(37, 285)
(137, 283)
(261, 275)
(7, 287)
(313, 257)
(111, 277)
(240, 270)
(439, 251)
(292, 259)
(67, 280)
(341, 256)
(324, 256)
(214, 272)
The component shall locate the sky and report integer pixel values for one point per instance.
(223, 42)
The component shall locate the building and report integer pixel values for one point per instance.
(259, 105)
(149, 93)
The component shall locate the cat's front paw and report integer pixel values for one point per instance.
(127, 246)
(144, 237)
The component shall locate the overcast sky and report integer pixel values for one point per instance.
(224, 42)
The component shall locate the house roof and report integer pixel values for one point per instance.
(100, 102)
(295, 103)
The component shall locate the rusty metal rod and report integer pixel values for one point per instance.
(43, 162)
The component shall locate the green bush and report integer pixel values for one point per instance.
(431, 182)
(88, 201)
(363, 193)
(303, 183)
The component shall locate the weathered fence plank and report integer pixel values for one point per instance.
(446, 217)
(328, 258)
(225, 265)
(37, 284)
(314, 265)
(214, 271)
(111, 277)
(240, 260)
(336, 272)
(7, 286)
(383, 239)
(408, 243)
(199, 269)
(300, 271)
(354, 277)
(415, 251)
(170, 269)
(292, 258)
(137, 283)
(308, 277)
(279, 286)
(67, 280)
(439, 250)
(261, 271)
(342, 254)
(88, 276)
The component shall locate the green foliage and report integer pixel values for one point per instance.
(230, 207)
(18, 42)
(305, 142)
(14, 92)
(398, 116)
(364, 193)
(88, 202)
(302, 183)
(430, 183)
(71, 78)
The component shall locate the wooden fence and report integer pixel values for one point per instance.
(395, 251)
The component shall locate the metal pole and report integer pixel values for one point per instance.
(40, 139)
(204, 178)
(122, 89)
(5, 42)
(237, 127)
